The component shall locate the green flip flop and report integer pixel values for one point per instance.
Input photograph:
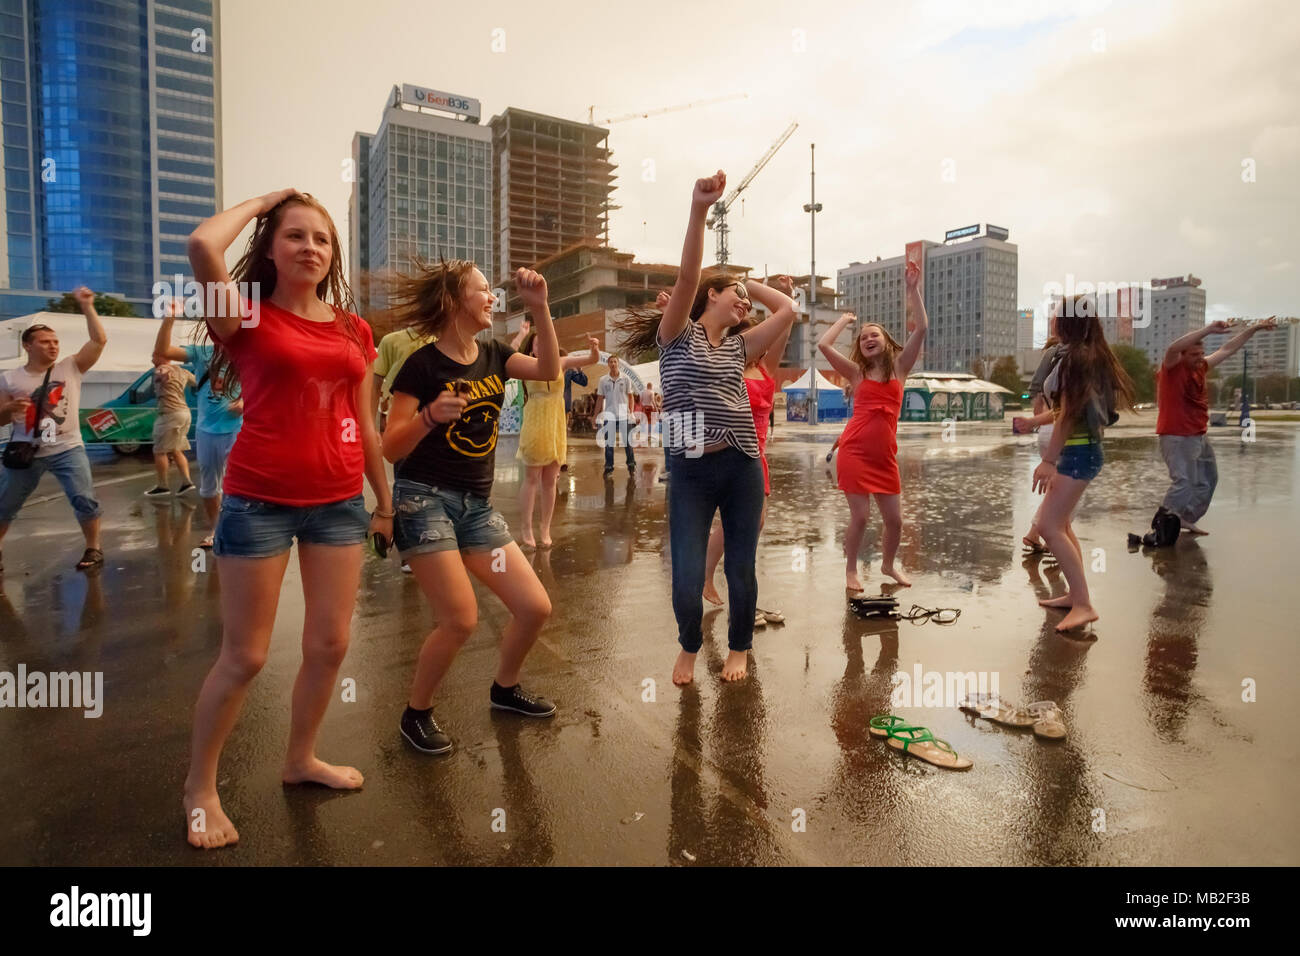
(920, 742)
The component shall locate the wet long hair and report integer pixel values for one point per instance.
(256, 268)
(426, 300)
(639, 329)
(1088, 367)
(887, 355)
(526, 348)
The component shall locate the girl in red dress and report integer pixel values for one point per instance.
(868, 463)
(760, 383)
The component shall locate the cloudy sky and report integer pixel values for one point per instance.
(1111, 138)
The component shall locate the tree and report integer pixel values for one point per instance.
(104, 305)
(1006, 372)
(977, 367)
(1138, 367)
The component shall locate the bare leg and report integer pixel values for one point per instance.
(712, 556)
(441, 576)
(1062, 497)
(160, 469)
(212, 508)
(549, 475)
(517, 586)
(891, 512)
(331, 575)
(183, 466)
(90, 530)
(250, 593)
(527, 498)
(859, 510)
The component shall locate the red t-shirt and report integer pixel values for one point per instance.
(301, 439)
(1182, 402)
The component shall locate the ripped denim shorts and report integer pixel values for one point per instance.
(442, 519)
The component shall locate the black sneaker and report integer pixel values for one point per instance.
(158, 491)
(513, 698)
(187, 486)
(422, 731)
(608, 472)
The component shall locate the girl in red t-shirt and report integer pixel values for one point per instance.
(868, 464)
(303, 362)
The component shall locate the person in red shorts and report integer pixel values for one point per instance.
(868, 448)
(303, 361)
(1183, 417)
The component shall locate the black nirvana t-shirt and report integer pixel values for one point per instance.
(459, 454)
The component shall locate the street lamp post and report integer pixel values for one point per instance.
(812, 208)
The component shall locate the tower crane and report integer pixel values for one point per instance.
(718, 221)
(646, 114)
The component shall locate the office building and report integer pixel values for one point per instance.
(970, 298)
(1024, 329)
(421, 188)
(1177, 307)
(1272, 352)
(112, 144)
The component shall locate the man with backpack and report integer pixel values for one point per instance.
(220, 415)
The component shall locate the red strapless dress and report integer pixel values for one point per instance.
(868, 456)
(762, 393)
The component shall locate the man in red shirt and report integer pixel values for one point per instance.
(1184, 416)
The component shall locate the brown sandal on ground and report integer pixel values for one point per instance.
(91, 558)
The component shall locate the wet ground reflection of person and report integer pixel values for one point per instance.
(731, 826)
(1176, 623)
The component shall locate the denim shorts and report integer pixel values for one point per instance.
(248, 528)
(433, 519)
(1082, 462)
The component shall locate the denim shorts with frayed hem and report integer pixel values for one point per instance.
(1082, 462)
(248, 528)
(433, 519)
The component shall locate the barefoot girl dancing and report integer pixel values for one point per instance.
(709, 431)
(442, 436)
(1084, 389)
(303, 362)
(868, 465)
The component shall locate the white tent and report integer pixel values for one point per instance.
(127, 356)
(823, 384)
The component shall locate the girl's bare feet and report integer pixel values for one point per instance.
(546, 540)
(711, 594)
(684, 669)
(1063, 600)
(206, 825)
(527, 541)
(736, 665)
(1077, 617)
(328, 775)
(851, 582)
(899, 576)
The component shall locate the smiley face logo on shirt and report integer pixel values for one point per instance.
(458, 436)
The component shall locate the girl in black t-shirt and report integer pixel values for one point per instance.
(442, 435)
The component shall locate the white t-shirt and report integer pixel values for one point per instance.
(60, 426)
(615, 392)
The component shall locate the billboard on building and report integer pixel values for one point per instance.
(440, 100)
(996, 232)
(961, 233)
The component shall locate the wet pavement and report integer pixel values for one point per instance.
(1164, 763)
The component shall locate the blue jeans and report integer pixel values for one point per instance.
(1081, 462)
(616, 430)
(248, 528)
(71, 468)
(731, 482)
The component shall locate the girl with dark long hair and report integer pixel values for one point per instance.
(302, 359)
(868, 465)
(708, 429)
(1084, 389)
(442, 436)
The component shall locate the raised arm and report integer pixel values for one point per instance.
(522, 334)
(841, 363)
(916, 339)
(207, 247)
(772, 360)
(546, 367)
(678, 310)
(583, 359)
(1174, 354)
(1238, 340)
(162, 343)
(760, 339)
(89, 353)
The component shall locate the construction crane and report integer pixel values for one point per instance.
(646, 114)
(718, 221)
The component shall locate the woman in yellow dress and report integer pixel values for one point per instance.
(543, 438)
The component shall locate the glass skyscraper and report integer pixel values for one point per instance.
(112, 144)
